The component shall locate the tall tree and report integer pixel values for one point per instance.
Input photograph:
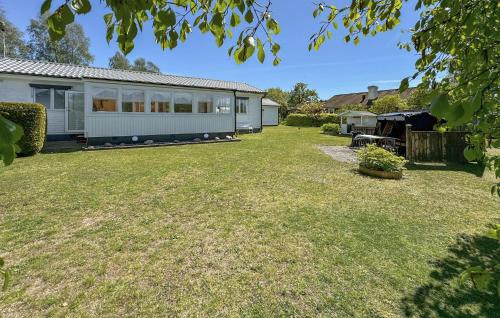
(119, 61)
(281, 97)
(300, 95)
(72, 48)
(14, 42)
(142, 65)
(388, 104)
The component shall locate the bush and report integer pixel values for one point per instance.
(376, 158)
(33, 118)
(306, 120)
(330, 128)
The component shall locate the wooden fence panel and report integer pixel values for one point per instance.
(433, 146)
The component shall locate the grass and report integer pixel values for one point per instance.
(269, 226)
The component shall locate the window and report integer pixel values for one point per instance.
(205, 104)
(223, 105)
(42, 96)
(241, 105)
(104, 100)
(160, 102)
(183, 103)
(59, 99)
(133, 101)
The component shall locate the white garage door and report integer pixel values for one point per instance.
(269, 115)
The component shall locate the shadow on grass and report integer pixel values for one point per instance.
(473, 168)
(61, 147)
(443, 297)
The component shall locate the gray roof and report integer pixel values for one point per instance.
(39, 68)
(269, 102)
(357, 113)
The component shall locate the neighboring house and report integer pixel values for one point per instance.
(364, 98)
(362, 120)
(115, 105)
(270, 112)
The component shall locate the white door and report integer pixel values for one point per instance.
(270, 116)
(75, 112)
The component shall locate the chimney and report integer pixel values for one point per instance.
(372, 92)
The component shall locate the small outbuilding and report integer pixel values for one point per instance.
(270, 112)
(359, 120)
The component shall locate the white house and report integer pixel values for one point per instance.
(270, 112)
(358, 119)
(115, 105)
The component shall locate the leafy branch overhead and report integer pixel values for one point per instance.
(174, 20)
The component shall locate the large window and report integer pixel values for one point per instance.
(104, 100)
(160, 102)
(59, 99)
(223, 104)
(42, 96)
(183, 103)
(205, 104)
(241, 105)
(133, 101)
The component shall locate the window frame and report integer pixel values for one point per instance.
(151, 99)
(238, 106)
(174, 96)
(203, 97)
(217, 107)
(132, 91)
(117, 99)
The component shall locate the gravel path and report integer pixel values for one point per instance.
(340, 153)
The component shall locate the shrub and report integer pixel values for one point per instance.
(330, 128)
(305, 120)
(376, 158)
(33, 118)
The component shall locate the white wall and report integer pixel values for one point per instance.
(252, 117)
(15, 88)
(270, 115)
(106, 124)
(367, 121)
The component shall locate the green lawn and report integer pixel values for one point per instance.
(269, 226)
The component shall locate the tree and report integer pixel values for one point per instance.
(142, 65)
(281, 97)
(119, 61)
(419, 98)
(358, 107)
(312, 108)
(72, 48)
(300, 95)
(388, 104)
(14, 43)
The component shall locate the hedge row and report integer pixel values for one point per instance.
(33, 118)
(306, 120)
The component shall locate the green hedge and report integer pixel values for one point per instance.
(330, 129)
(33, 118)
(306, 120)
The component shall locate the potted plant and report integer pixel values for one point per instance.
(378, 162)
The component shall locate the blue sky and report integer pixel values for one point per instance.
(336, 68)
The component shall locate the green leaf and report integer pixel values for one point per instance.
(273, 26)
(45, 6)
(472, 154)
(235, 20)
(81, 6)
(403, 86)
(249, 16)
(440, 105)
(7, 277)
(275, 48)
(261, 55)
(108, 18)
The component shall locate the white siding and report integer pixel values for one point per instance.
(253, 115)
(269, 115)
(367, 121)
(17, 89)
(109, 124)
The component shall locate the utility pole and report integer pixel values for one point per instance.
(2, 28)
